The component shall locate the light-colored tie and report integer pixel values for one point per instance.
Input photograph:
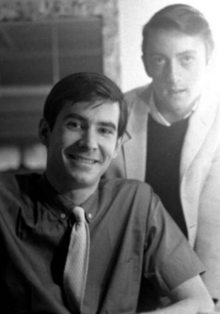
(76, 267)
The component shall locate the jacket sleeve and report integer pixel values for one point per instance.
(207, 244)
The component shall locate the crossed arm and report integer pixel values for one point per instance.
(191, 297)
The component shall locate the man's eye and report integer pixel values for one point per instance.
(105, 131)
(158, 61)
(74, 124)
(187, 59)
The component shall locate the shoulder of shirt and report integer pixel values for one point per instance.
(131, 194)
(17, 183)
(121, 184)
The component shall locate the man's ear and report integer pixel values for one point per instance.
(117, 147)
(44, 132)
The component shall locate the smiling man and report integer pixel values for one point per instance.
(73, 243)
(81, 145)
(173, 133)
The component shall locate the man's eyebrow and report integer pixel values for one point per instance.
(187, 52)
(100, 123)
(74, 116)
(191, 51)
(108, 124)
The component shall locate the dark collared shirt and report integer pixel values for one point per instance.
(131, 237)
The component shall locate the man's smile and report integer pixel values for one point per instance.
(82, 159)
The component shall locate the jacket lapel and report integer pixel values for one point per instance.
(199, 125)
(135, 147)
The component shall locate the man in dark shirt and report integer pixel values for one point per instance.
(131, 236)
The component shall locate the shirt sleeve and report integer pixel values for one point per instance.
(169, 260)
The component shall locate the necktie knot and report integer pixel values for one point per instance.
(79, 214)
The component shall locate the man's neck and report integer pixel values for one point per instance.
(74, 193)
(78, 196)
(167, 117)
(172, 117)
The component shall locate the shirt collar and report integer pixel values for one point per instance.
(59, 203)
(157, 116)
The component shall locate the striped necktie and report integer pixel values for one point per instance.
(76, 267)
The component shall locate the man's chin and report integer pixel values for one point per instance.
(84, 179)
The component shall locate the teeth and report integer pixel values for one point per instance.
(88, 161)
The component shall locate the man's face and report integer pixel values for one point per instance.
(82, 143)
(177, 64)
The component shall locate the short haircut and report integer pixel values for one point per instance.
(84, 87)
(183, 18)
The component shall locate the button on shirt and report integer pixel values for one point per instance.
(126, 222)
(63, 216)
(89, 216)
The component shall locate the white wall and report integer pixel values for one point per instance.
(134, 14)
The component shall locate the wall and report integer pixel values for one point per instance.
(39, 10)
(122, 25)
(20, 10)
(134, 14)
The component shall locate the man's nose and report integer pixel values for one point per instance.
(89, 140)
(173, 73)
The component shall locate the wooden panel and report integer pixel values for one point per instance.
(19, 119)
(39, 53)
(34, 56)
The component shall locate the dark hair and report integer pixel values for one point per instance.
(84, 87)
(181, 17)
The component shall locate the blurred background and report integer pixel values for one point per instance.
(42, 41)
